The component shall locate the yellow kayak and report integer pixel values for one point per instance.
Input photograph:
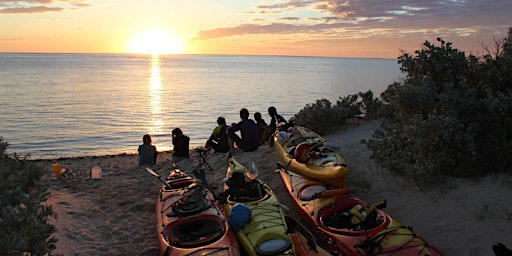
(306, 153)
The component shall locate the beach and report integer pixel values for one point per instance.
(115, 215)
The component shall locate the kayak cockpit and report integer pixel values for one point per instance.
(192, 233)
(354, 217)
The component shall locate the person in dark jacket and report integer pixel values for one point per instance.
(262, 127)
(249, 139)
(180, 143)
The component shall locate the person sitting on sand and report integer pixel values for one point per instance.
(250, 137)
(262, 127)
(180, 143)
(147, 152)
(218, 140)
(276, 119)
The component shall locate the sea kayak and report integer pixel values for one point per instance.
(349, 226)
(189, 219)
(257, 216)
(308, 154)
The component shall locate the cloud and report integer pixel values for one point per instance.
(39, 6)
(396, 17)
(34, 9)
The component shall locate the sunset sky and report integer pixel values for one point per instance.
(351, 28)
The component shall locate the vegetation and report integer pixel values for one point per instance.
(24, 227)
(323, 115)
(450, 116)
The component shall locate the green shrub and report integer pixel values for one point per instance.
(322, 115)
(24, 227)
(451, 114)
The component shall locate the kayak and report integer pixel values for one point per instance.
(256, 215)
(304, 241)
(189, 219)
(309, 154)
(349, 226)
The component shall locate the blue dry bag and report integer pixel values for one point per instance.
(238, 216)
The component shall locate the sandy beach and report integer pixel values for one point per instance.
(114, 215)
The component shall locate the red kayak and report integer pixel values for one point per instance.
(349, 226)
(189, 220)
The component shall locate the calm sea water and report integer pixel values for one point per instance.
(64, 105)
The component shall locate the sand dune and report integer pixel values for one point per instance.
(115, 214)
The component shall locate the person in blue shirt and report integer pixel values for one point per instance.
(147, 152)
(249, 139)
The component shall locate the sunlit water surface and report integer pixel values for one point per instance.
(64, 105)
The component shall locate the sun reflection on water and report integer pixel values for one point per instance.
(157, 125)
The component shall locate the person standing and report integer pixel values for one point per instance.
(249, 139)
(219, 138)
(147, 151)
(180, 143)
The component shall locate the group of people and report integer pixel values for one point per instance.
(247, 135)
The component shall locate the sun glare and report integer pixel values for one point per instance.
(155, 42)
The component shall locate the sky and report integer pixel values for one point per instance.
(333, 28)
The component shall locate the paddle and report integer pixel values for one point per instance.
(256, 172)
(157, 176)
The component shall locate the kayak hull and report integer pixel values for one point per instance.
(329, 167)
(266, 231)
(267, 221)
(190, 221)
(386, 236)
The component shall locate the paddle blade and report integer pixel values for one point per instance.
(152, 172)
(335, 192)
(254, 168)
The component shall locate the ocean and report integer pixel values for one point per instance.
(71, 105)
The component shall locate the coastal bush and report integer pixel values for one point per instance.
(24, 227)
(451, 114)
(323, 115)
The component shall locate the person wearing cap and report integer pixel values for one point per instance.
(218, 140)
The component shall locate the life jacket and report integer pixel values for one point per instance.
(361, 212)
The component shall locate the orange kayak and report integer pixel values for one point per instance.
(349, 226)
(189, 220)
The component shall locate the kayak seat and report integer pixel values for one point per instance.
(193, 204)
(191, 234)
(240, 190)
(310, 192)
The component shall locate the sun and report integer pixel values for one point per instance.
(155, 42)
